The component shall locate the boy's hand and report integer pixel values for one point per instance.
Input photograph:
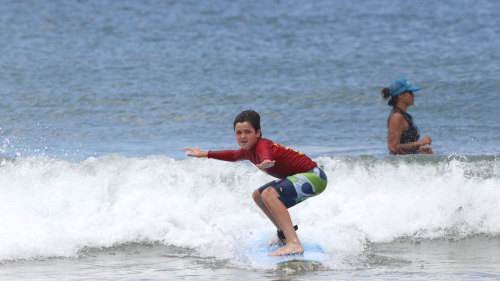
(196, 152)
(266, 164)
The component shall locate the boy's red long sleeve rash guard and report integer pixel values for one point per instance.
(288, 161)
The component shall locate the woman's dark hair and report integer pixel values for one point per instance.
(386, 94)
(250, 116)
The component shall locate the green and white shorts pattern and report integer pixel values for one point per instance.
(297, 188)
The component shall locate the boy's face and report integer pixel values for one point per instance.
(246, 136)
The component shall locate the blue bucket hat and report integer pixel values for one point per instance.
(399, 86)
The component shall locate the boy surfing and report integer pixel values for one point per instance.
(298, 177)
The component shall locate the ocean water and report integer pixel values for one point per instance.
(98, 98)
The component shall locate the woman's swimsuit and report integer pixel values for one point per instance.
(410, 135)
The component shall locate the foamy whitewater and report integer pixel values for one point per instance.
(59, 208)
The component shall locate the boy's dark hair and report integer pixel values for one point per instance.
(250, 116)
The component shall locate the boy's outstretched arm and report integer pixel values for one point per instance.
(196, 152)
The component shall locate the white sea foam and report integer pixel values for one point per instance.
(56, 207)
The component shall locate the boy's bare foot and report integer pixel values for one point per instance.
(289, 249)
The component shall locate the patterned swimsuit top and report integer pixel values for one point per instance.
(410, 135)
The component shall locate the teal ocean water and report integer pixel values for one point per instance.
(98, 98)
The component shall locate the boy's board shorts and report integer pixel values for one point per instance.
(297, 188)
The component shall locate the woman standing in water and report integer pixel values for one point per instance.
(402, 134)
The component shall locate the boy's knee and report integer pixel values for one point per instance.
(268, 193)
(256, 195)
